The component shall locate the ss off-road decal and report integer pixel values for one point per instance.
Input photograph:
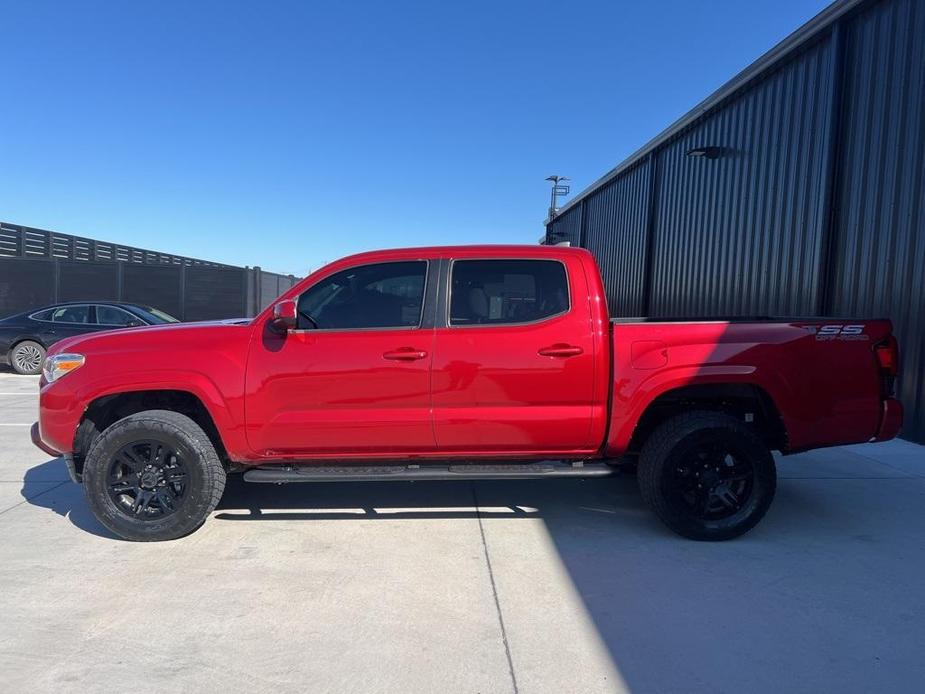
(837, 331)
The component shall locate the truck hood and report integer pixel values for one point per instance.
(151, 336)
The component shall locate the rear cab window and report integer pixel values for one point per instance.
(507, 292)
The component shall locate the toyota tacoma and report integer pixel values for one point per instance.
(476, 362)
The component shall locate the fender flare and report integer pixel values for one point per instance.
(200, 386)
(632, 409)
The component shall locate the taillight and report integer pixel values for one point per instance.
(888, 360)
(888, 356)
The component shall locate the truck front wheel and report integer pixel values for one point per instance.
(707, 475)
(153, 476)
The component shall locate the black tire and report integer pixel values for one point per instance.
(177, 476)
(707, 475)
(27, 358)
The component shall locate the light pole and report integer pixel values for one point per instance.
(558, 190)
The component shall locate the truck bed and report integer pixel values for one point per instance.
(813, 372)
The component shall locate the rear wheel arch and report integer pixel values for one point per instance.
(748, 402)
(26, 338)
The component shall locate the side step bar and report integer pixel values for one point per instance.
(283, 474)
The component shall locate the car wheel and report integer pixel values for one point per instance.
(707, 475)
(27, 358)
(153, 476)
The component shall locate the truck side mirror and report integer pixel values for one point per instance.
(284, 316)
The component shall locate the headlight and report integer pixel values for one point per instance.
(60, 364)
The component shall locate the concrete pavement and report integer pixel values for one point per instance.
(534, 586)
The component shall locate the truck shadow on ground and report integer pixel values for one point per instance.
(694, 609)
(398, 500)
(614, 501)
(801, 588)
(48, 486)
(651, 596)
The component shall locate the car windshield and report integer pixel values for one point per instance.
(154, 316)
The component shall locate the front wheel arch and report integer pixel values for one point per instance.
(104, 411)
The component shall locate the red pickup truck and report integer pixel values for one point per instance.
(460, 363)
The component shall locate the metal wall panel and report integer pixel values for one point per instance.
(615, 232)
(79, 281)
(269, 289)
(566, 227)
(213, 292)
(741, 233)
(153, 285)
(39, 267)
(25, 284)
(880, 246)
(816, 205)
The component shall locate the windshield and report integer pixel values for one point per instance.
(154, 315)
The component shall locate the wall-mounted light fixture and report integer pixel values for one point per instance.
(709, 152)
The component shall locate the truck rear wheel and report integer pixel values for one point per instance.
(153, 476)
(707, 475)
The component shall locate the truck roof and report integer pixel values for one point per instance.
(489, 250)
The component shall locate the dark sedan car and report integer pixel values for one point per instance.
(25, 337)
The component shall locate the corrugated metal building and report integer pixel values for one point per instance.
(798, 188)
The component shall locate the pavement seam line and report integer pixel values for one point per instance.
(892, 467)
(494, 591)
(33, 497)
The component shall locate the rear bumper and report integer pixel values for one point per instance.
(891, 420)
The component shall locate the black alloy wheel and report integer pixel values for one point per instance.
(148, 479)
(154, 475)
(713, 481)
(707, 475)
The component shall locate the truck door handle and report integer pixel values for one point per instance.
(560, 350)
(405, 354)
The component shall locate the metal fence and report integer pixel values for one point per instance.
(797, 189)
(39, 267)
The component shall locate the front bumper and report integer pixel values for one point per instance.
(60, 411)
(68, 458)
(37, 440)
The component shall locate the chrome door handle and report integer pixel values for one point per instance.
(560, 350)
(405, 354)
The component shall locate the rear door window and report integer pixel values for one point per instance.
(507, 292)
(71, 314)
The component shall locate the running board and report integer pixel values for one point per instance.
(387, 473)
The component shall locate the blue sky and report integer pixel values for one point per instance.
(287, 134)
